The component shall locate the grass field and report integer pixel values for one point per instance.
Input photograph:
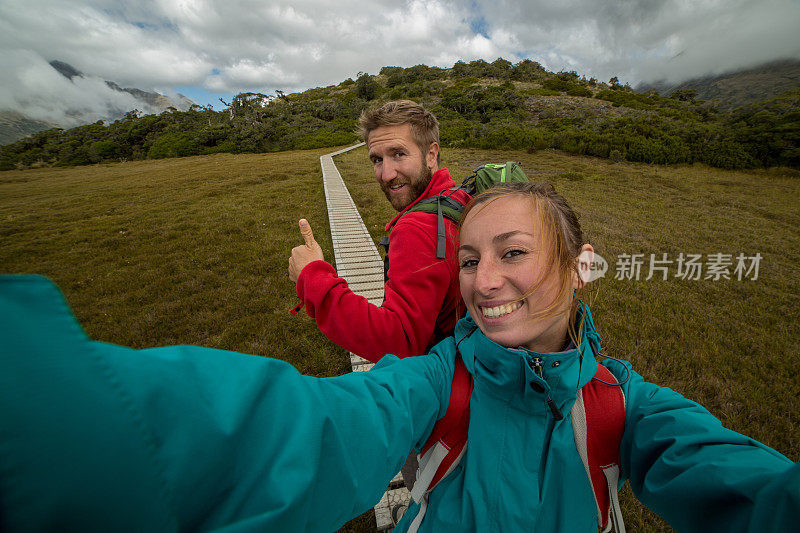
(194, 251)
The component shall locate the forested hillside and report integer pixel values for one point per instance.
(479, 104)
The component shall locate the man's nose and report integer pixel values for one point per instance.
(388, 171)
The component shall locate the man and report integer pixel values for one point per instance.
(422, 295)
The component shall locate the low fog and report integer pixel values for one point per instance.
(34, 88)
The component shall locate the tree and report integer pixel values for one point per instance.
(526, 70)
(502, 67)
(366, 86)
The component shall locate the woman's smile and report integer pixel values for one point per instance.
(499, 311)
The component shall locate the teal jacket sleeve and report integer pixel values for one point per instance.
(696, 474)
(100, 437)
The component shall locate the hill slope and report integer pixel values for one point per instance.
(15, 126)
(479, 104)
(735, 89)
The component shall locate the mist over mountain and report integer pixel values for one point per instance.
(737, 88)
(56, 94)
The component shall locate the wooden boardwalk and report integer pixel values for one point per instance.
(358, 262)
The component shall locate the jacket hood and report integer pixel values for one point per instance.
(440, 180)
(510, 373)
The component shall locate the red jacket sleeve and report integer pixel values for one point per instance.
(415, 293)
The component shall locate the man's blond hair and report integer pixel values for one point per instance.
(424, 126)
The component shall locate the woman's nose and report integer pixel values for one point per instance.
(487, 277)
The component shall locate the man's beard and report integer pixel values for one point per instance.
(416, 186)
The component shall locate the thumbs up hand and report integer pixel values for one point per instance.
(305, 254)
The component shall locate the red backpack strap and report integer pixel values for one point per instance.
(598, 421)
(447, 442)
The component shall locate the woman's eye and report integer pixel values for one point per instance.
(513, 253)
(469, 263)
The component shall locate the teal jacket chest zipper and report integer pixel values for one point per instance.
(536, 364)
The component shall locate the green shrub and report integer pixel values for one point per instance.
(172, 145)
(527, 70)
(322, 138)
(727, 154)
(366, 87)
(557, 84)
(503, 137)
(579, 90)
(103, 150)
(225, 147)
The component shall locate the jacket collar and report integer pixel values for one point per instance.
(509, 374)
(439, 181)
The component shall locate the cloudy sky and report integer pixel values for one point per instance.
(210, 48)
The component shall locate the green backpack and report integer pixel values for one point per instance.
(482, 178)
(490, 174)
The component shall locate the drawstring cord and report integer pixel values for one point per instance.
(466, 335)
(596, 354)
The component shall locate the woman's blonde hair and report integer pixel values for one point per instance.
(561, 242)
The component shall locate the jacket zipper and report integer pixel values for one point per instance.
(536, 362)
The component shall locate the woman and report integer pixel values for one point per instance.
(192, 438)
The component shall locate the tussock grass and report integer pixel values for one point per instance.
(195, 250)
(176, 251)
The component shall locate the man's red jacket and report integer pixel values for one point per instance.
(422, 294)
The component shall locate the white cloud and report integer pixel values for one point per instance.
(32, 85)
(253, 45)
(650, 39)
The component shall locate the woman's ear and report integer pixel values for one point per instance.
(584, 263)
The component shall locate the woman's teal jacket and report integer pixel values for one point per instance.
(97, 437)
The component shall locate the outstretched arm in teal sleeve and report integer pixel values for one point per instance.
(291, 452)
(99, 437)
(698, 475)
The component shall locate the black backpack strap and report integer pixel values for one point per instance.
(469, 182)
(450, 208)
(385, 243)
(443, 206)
